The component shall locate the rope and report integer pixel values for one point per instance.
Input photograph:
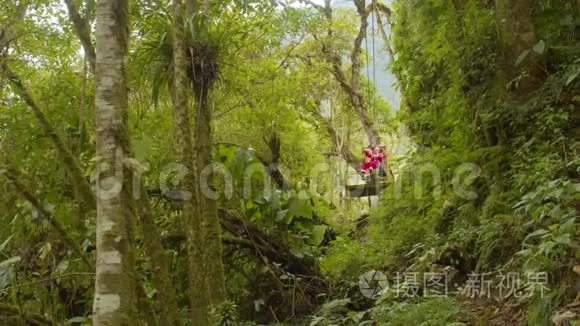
(373, 78)
(373, 38)
(368, 66)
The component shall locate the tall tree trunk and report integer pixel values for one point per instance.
(159, 265)
(272, 167)
(141, 208)
(114, 286)
(211, 229)
(517, 37)
(204, 74)
(198, 292)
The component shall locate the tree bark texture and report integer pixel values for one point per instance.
(517, 37)
(198, 291)
(83, 31)
(114, 285)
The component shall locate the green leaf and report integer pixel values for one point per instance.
(297, 252)
(62, 267)
(563, 239)
(540, 47)
(537, 233)
(7, 274)
(10, 261)
(299, 207)
(525, 252)
(568, 224)
(239, 163)
(281, 215)
(317, 234)
(78, 319)
(522, 56)
(572, 75)
(5, 243)
(44, 250)
(317, 320)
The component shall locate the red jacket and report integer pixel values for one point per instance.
(368, 153)
(370, 160)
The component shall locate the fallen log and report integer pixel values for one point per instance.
(248, 236)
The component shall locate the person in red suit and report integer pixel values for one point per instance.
(380, 157)
(369, 162)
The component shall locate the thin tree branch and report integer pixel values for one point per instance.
(290, 51)
(48, 279)
(83, 31)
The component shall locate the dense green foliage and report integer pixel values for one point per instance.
(523, 214)
(488, 181)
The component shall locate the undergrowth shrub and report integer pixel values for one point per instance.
(344, 258)
(433, 312)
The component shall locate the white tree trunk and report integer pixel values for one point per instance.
(114, 287)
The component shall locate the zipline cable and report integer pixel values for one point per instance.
(373, 77)
(373, 42)
(368, 67)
